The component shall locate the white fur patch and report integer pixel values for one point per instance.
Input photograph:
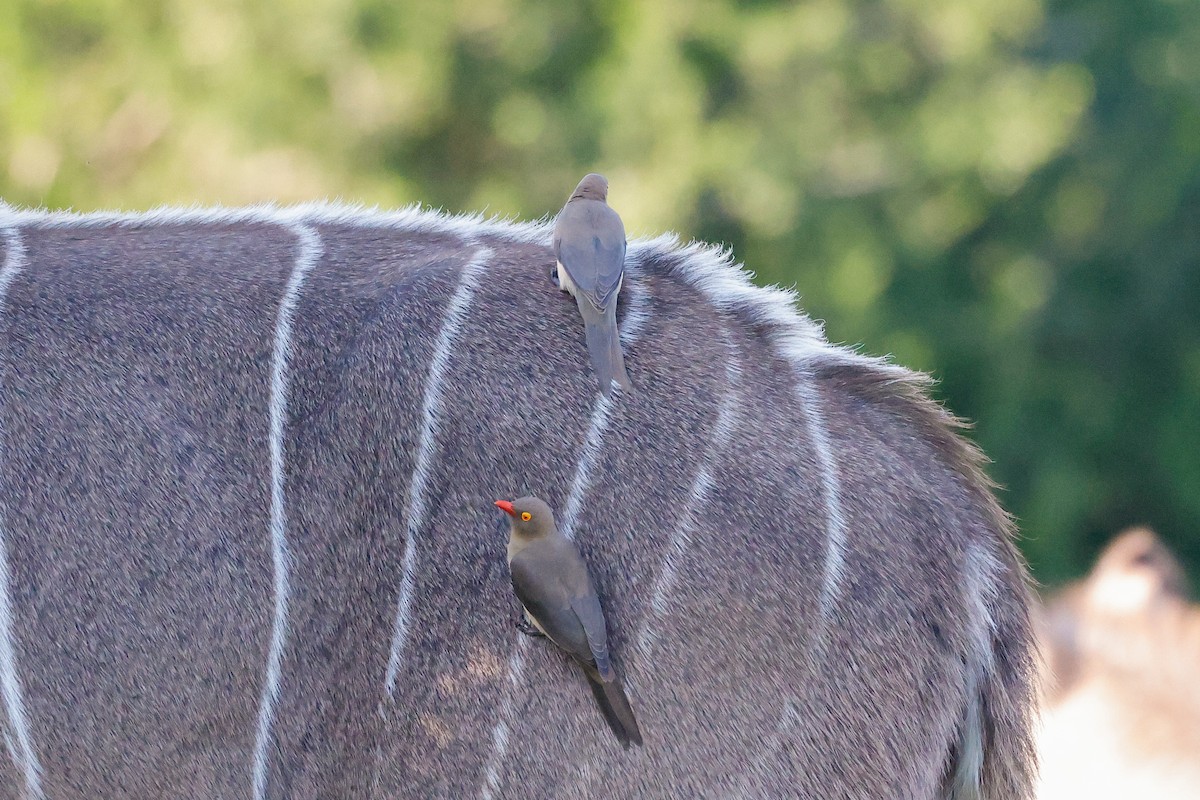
(729, 288)
(19, 742)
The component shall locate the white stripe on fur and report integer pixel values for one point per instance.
(799, 340)
(516, 673)
(787, 718)
(636, 316)
(587, 459)
(21, 749)
(835, 523)
(980, 592)
(635, 319)
(722, 433)
(452, 323)
(309, 252)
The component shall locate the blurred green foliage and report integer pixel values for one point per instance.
(1006, 194)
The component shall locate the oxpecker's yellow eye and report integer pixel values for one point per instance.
(525, 515)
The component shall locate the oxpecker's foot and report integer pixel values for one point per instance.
(524, 627)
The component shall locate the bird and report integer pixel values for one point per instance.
(589, 250)
(551, 581)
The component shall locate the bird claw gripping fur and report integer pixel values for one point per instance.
(524, 626)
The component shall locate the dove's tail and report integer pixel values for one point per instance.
(604, 345)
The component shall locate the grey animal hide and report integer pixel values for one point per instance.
(248, 547)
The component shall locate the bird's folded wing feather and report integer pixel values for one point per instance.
(549, 603)
(590, 244)
(587, 609)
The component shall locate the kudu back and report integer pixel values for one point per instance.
(247, 465)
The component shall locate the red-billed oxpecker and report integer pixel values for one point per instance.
(551, 580)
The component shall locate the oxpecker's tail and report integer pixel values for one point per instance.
(614, 705)
(604, 345)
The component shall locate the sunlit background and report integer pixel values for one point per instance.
(1005, 194)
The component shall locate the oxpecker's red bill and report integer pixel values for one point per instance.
(506, 507)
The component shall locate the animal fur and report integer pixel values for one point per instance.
(247, 546)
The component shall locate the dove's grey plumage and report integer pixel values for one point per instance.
(551, 580)
(589, 245)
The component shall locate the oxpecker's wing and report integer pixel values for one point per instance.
(589, 241)
(547, 601)
(587, 608)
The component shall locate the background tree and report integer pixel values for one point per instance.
(1004, 194)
